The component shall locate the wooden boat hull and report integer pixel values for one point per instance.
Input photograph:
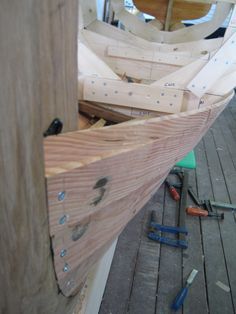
(98, 179)
(107, 175)
(181, 10)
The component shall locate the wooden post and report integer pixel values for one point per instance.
(38, 82)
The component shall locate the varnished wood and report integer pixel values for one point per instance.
(100, 111)
(195, 32)
(182, 10)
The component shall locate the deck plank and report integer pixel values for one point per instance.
(213, 250)
(228, 230)
(170, 274)
(143, 295)
(145, 277)
(196, 302)
(120, 280)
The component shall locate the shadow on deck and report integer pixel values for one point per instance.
(146, 276)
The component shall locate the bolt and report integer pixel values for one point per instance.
(61, 196)
(62, 220)
(66, 268)
(63, 252)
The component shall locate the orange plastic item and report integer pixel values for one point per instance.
(196, 211)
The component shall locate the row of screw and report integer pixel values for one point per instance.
(61, 197)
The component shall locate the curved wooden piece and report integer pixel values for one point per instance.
(181, 10)
(149, 32)
(106, 176)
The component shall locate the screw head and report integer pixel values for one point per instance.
(63, 220)
(66, 268)
(63, 252)
(61, 196)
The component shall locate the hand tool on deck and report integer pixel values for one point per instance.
(173, 192)
(205, 207)
(179, 300)
(156, 230)
(199, 212)
(183, 202)
(225, 206)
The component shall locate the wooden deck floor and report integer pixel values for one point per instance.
(146, 276)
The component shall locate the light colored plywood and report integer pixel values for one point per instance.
(96, 282)
(112, 32)
(215, 68)
(132, 95)
(91, 64)
(173, 58)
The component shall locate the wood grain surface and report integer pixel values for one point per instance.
(100, 171)
(27, 275)
(181, 10)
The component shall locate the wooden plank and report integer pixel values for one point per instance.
(58, 72)
(182, 10)
(111, 32)
(219, 63)
(168, 15)
(100, 111)
(196, 302)
(96, 282)
(79, 170)
(143, 294)
(88, 11)
(170, 279)
(90, 64)
(132, 95)
(83, 122)
(218, 300)
(228, 228)
(195, 32)
(99, 124)
(27, 272)
(229, 132)
(174, 58)
(116, 296)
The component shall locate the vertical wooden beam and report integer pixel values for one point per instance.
(26, 272)
(58, 28)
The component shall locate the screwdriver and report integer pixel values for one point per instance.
(173, 192)
(179, 300)
(197, 211)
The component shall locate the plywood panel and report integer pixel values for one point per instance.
(132, 95)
